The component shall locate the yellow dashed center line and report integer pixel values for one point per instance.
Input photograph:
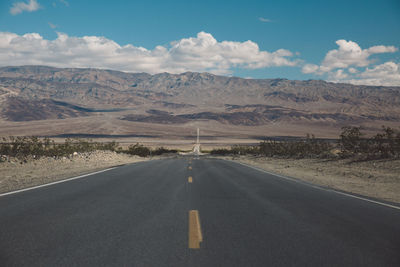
(190, 167)
(195, 235)
(190, 179)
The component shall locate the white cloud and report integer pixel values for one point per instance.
(349, 54)
(352, 64)
(387, 74)
(339, 74)
(200, 53)
(310, 68)
(264, 19)
(20, 7)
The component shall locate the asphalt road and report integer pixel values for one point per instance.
(137, 215)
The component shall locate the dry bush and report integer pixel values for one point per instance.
(309, 147)
(23, 147)
(352, 143)
(162, 150)
(138, 150)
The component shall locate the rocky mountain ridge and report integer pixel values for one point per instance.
(39, 93)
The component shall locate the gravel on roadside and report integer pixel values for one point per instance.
(17, 174)
(379, 179)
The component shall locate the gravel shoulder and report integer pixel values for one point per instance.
(378, 179)
(16, 174)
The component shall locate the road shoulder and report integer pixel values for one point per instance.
(16, 174)
(377, 179)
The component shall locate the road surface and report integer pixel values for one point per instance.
(138, 215)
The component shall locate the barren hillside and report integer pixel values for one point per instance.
(119, 103)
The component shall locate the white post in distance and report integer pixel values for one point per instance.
(196, 149)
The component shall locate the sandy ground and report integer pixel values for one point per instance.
(376, 178)
(18, 174)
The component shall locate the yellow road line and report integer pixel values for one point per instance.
(190, 167)
(195, 235)
(190, 179)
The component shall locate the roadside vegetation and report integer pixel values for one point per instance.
(352, 143)
(34, 147)
(143, 151)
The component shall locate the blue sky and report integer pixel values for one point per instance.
(288, 39)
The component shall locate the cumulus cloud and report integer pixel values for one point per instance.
(200, 53)
(310, 68)
(350, 63)
(20, 7)
(349, 54)
(339, 74)
(387, 74)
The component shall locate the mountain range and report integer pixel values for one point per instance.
(119, 103)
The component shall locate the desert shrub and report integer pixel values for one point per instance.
(5, 147)
(244, 150)
(309, 147)
(22, 147)
(220, 151)
(351, 142)
(382, 145)
(110, 146)
(236, 150)
(139, 150)
(162, 150)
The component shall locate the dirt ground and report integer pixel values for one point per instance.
(16, 174)
(375, 178)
